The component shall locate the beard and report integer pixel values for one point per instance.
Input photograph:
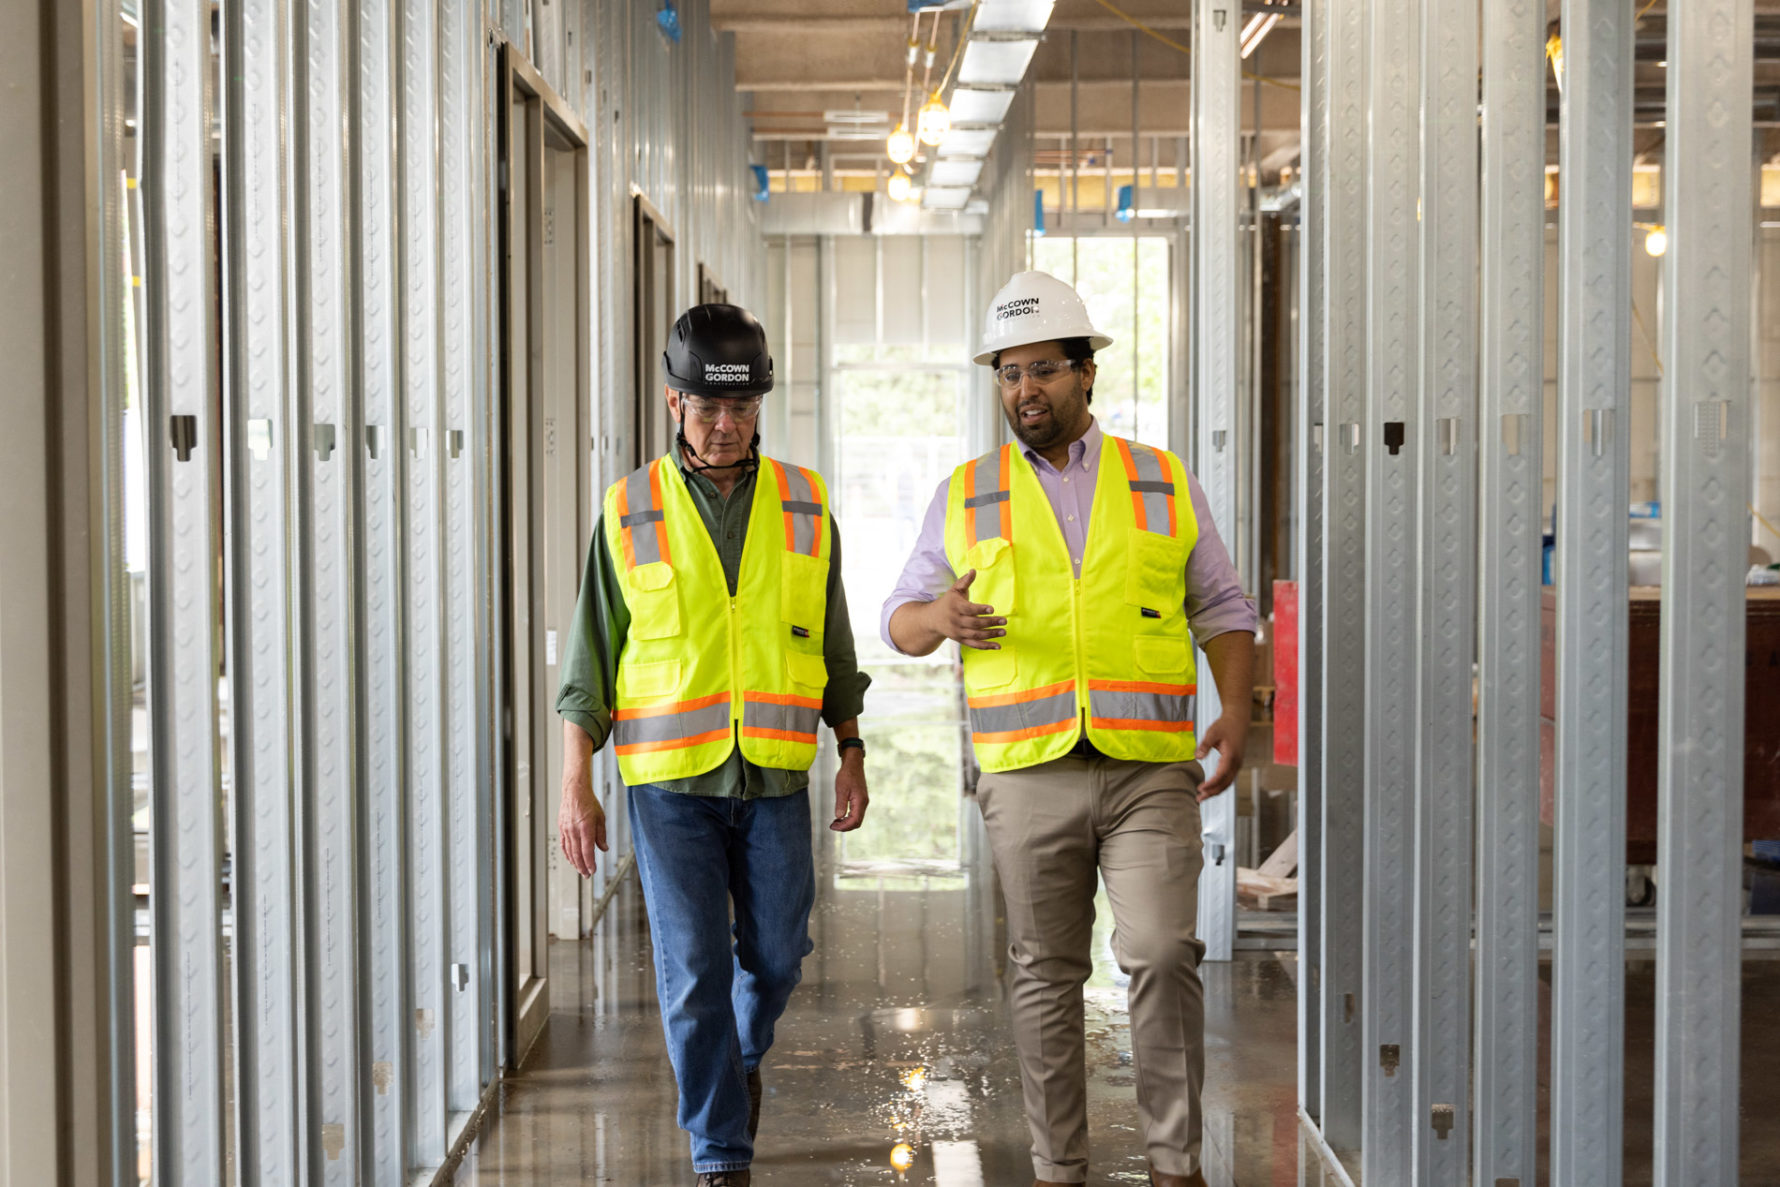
(1048, 430)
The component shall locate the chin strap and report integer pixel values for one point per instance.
(751, 461)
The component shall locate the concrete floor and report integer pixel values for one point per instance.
(899, 1034)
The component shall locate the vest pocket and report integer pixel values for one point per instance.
(1161, 655)
(993, 559)
(653, 600)
(803, 591)
(808, 673)
(1156, 573)
(649, 681)
(990, 669)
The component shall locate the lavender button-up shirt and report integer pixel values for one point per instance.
(1215, 601)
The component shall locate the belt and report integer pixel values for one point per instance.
(1084, 749)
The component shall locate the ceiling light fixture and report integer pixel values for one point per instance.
(1656, 242)
(900, 146)
(933, 122)
(901, 185)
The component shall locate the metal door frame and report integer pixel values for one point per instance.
(524, 1012)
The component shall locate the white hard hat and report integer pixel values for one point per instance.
(1035, 307)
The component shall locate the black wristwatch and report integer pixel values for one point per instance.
(846, 744)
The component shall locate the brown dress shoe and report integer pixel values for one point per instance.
(1158, 1179)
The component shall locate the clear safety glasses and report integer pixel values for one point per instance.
(706, 409)
(1044, 371)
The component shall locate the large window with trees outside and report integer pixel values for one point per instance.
(900, 432)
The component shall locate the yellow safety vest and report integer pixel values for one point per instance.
(699, 667)
(1111, 649)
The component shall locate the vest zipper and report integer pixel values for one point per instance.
(1081, 665)
(735, 676)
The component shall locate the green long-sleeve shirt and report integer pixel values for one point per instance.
(602, 621)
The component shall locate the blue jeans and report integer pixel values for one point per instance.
(720, 998)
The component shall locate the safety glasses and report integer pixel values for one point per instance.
(1044, 371)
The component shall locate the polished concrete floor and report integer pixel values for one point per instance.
(899, 1035)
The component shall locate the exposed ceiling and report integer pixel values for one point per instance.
(806, 62)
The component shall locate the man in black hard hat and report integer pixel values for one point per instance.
(710, 639)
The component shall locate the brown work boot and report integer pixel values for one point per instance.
(754, 1094)
(741, 1178)
(1159, 1179)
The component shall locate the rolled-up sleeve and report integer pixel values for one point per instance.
(844, 698)
(928, 573)
(1216, 604)
(589, 672)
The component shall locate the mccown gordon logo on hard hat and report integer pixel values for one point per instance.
(737, 373)
(1021, 307)
(1035, 307)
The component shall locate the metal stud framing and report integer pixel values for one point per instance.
(384, 935)
(263, 458)
(1446, 447)
(1215, 348)
(1392, 447)
(327, 418)
(468, 769)
(1509, 524)
(183, 452)
(422, 447)
(1706, 396)
(1312, 368)
(1344, 575)
(1588, 967)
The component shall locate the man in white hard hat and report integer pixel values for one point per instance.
(1076, 571)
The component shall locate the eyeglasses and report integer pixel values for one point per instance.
(1043, 371)
(706, 410)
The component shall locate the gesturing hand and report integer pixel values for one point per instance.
(967, 623)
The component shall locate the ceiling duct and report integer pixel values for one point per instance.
(998, 50)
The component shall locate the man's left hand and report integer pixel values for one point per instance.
(850, 796)
(1227, 735)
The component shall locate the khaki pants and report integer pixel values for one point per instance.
(1051, 827)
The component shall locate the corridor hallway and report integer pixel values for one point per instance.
(904, 984)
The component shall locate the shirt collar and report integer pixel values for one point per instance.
(1084, 451)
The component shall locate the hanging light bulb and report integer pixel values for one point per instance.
(902, 1156)
(1657, 241)
(900, 146)
(933, 122)
(900, 185)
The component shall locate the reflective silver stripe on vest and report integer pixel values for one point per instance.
(987, 494)
(791, 719)
(1023, 715)
(800, 503)
(1140, 706)
(639, 497)
(1152, 486)
(671, 727)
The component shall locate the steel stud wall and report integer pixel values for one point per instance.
(183, 455)
(1343, 493)
(1706, 395)
(1594, 438)
(1453, 348)
(1446, 447)
(1509, 521)
(1213, 307)
(1391, 442)
(323, 832)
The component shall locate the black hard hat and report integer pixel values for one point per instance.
(718, 350)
